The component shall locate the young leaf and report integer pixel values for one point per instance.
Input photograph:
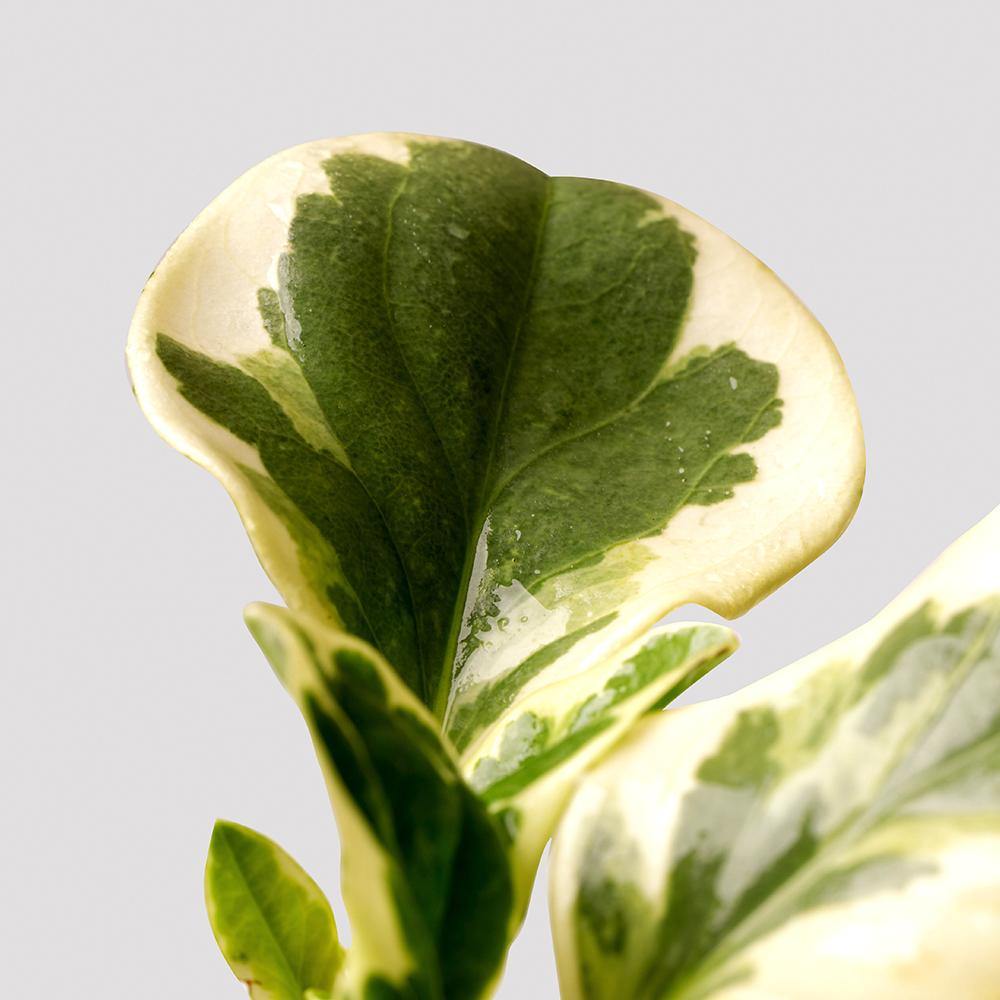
(494, 423)
(832, 830)
(524, 768)
(272, 922)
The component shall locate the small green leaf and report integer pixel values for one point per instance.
(272, 922)
(830, 831)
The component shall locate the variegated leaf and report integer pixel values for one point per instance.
(831, 831)
(426, 877)
(494, 423)
(524, 768)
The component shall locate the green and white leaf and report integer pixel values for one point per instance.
(830, 831)
(272, 922)
(435, 876)
(487, 419)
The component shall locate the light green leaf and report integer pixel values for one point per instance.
(492, 422)
(830, 831)
(272, 922)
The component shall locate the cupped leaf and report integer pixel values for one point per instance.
(831, 831)
(272, 922)
(494, 423)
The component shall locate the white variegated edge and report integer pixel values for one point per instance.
(203, 293)
(935, 937)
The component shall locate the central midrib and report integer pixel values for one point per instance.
(477, 521)
(421, 643)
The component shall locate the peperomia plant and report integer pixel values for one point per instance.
(485, 428)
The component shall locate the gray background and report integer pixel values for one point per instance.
(852, 146)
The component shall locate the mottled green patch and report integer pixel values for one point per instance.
(272, 317)
(743, 758)
(490, 701)
(614, 919)
(532, 745)
(916, 626)
(279, 374)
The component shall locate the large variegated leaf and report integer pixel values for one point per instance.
(492, 422)
(831, 831)
(435, 877)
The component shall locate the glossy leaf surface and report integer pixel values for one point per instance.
(830, 831)
(494, 423)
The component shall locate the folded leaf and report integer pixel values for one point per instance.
(272, 922)
(494, 423)
(831, 831)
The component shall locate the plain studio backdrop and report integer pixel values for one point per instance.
(852, 146)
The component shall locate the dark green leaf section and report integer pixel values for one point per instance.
(450, 875)
(327, 493)
(272, 922)
(948, 757)
(532, 744)
(493, 351)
